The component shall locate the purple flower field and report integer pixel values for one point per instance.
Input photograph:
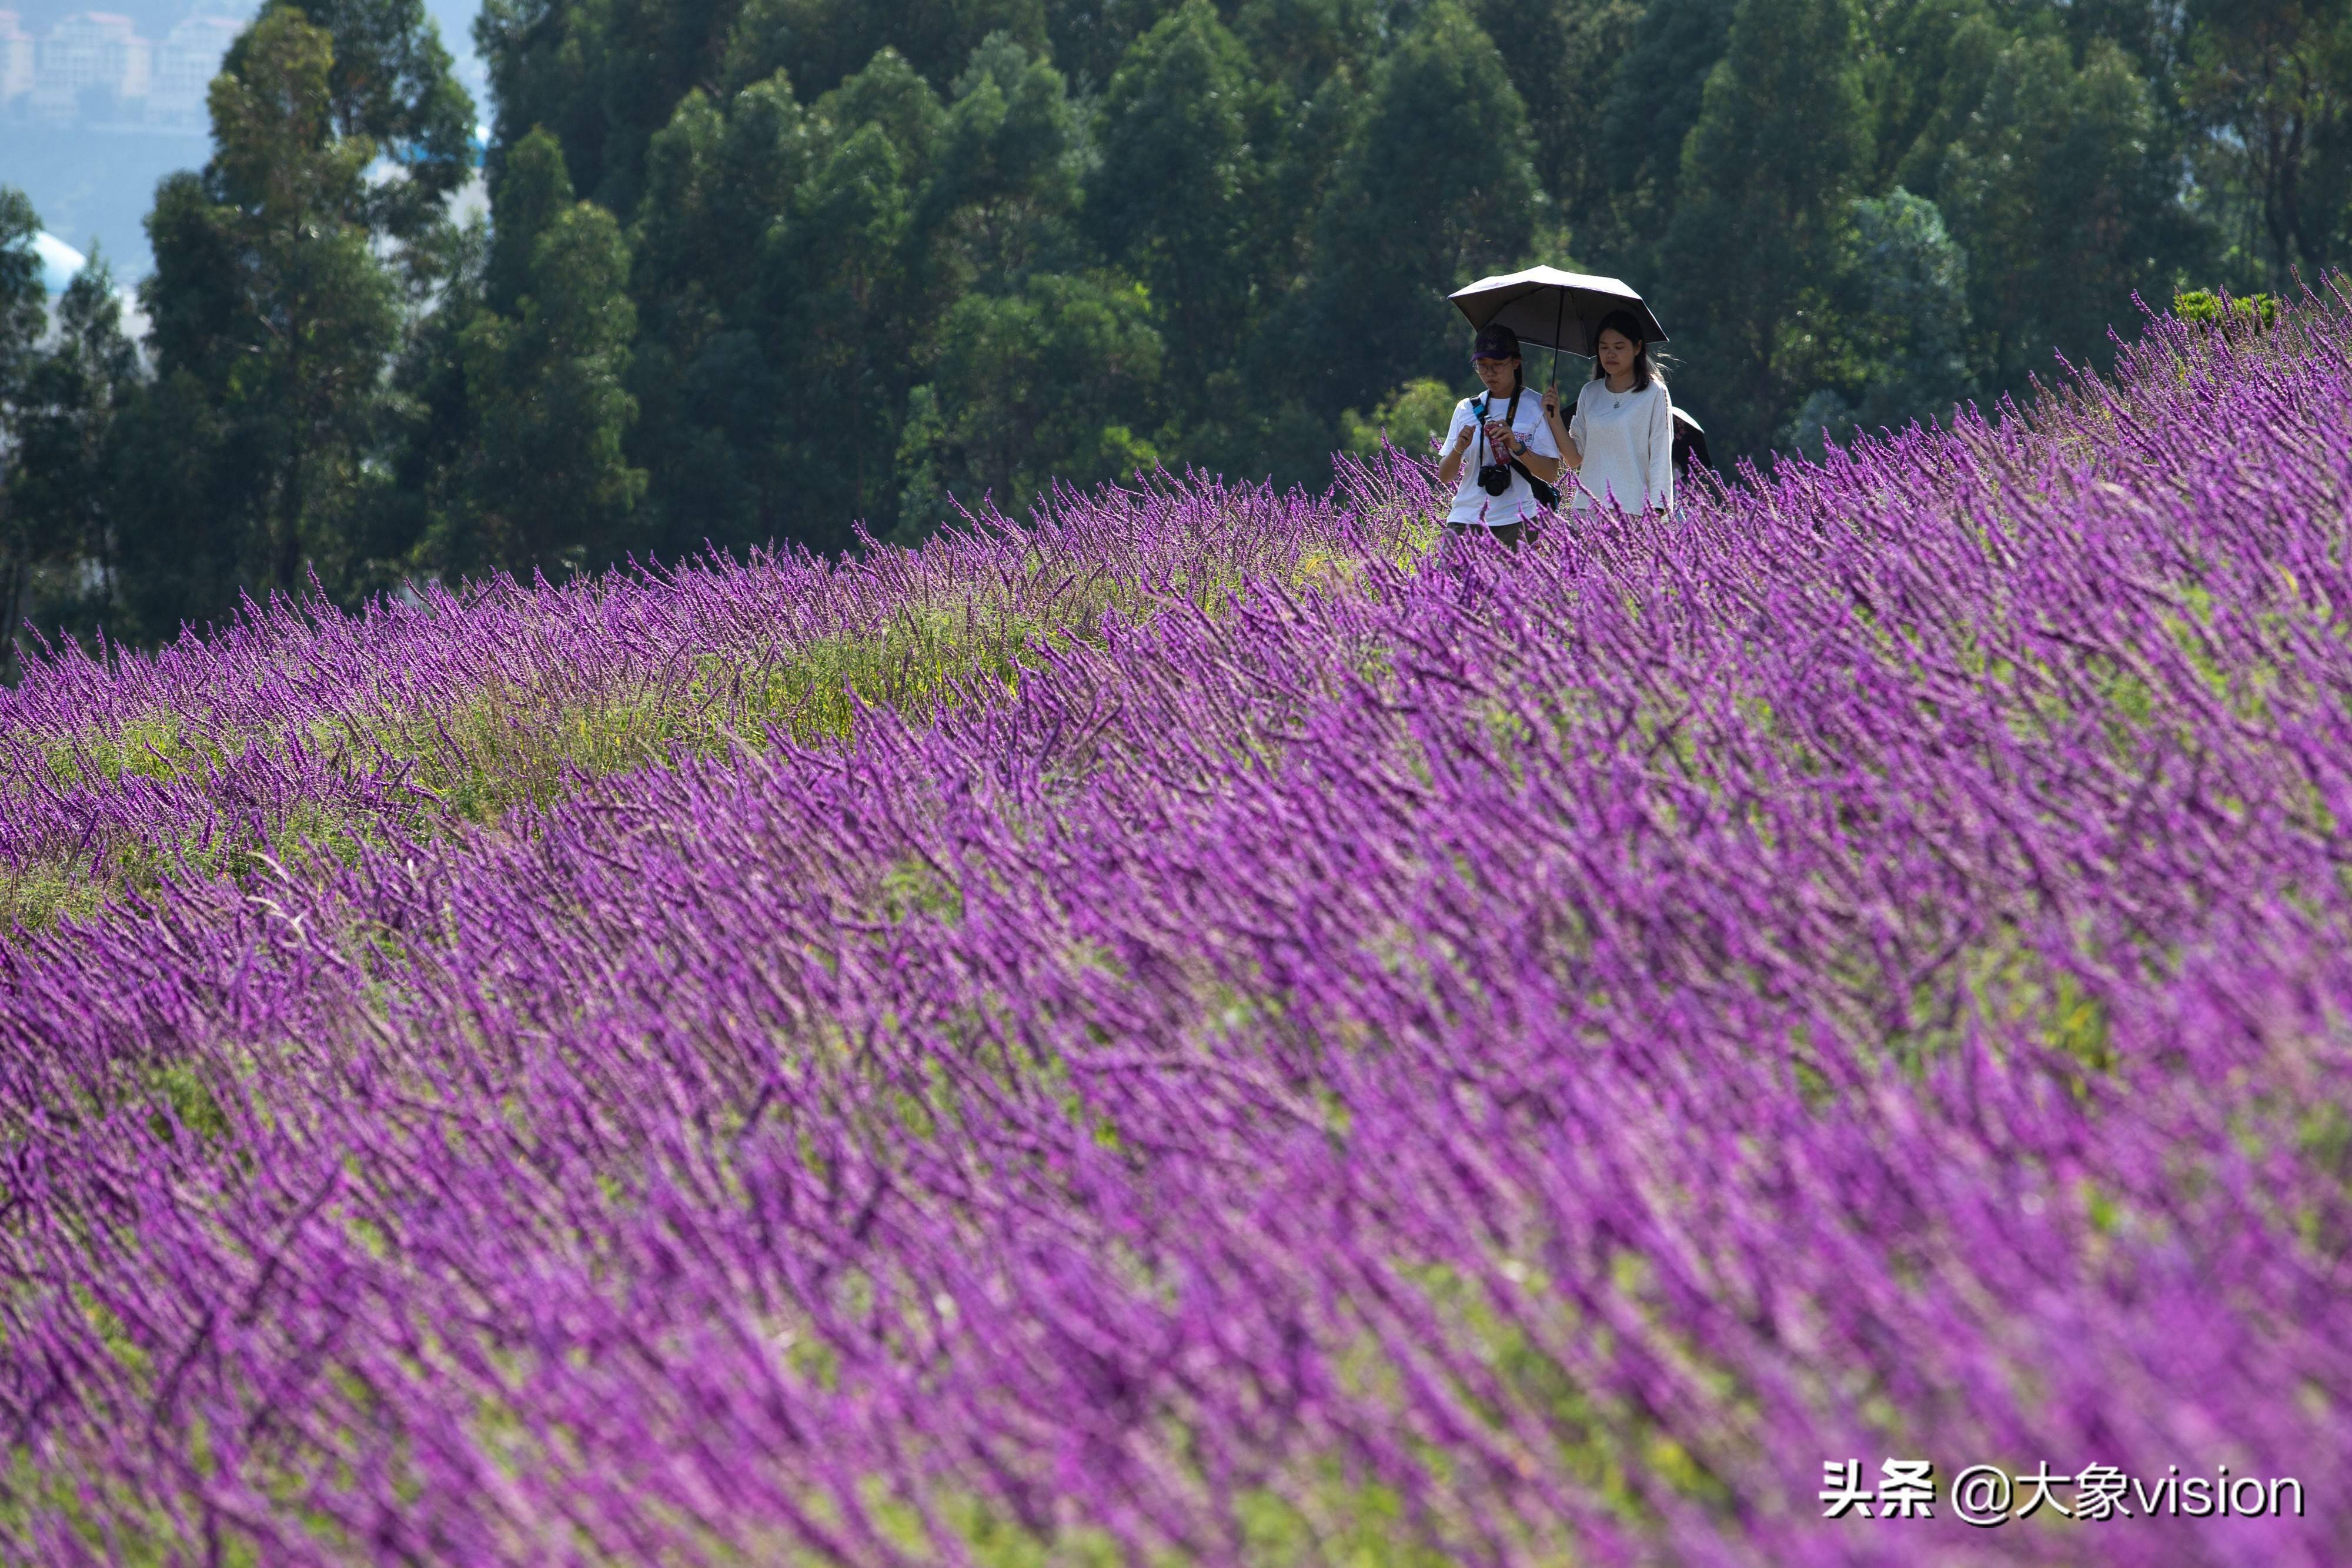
(1209, 1031)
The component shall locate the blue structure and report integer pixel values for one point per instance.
(59, 261)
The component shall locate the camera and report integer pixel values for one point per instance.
(1495, 479)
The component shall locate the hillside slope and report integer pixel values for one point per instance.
(1241, 1041)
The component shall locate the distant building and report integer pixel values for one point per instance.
(185, 63)
(17, 54)
(94, 53)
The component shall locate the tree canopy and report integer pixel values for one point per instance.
(777, 270)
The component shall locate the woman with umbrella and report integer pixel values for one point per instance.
(1620, 441)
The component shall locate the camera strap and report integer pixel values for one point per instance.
(1547, 496)
(1510, 421)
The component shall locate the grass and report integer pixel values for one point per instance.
(507, 746)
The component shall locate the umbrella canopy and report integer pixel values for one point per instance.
(1690, 441)
(1549, 309)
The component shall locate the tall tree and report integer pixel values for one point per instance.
(719, 179)
(827, 41)
(1003, 191)
(271, 309)
(1653, 92)
(2062, 194)
(2271, 82)
(1924, 72)
(390, 81)
(2152, 34)
(422, 520)
(844, 302)
(57, 540)
(1570, 113)
(1089, 37)
(1438, 188)
(1309, 61)
(601, 75)
(1762, 219)
(24, 310)
(554, 491)
(1904, 313)
(1300, 44)
(24, 313)
(1054, 383)
(1171, 197)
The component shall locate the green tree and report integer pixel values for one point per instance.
(1762, 219)
(1003, 191)
(534, 189)
(719, 179)
(1903, 305)
(1090, 37)
(58, 507)
(824, 42)
(603, 76)
(1924, 72)
(1300, 44)
(1437, 188)
(2271, 81)
(2062, 191)
(1170, 198)
(390, 81)
(2152, 34)
(1652, 92)
(24, 313)
(422, 520)
(1050, 385)
(553, 490)
(24, 310)
(1308, 63)
(271, 314)
(846, 303)
(1567, 87)
(1413, 419)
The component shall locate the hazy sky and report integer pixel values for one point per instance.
(97, 185)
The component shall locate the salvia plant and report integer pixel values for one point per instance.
(1208, 1028)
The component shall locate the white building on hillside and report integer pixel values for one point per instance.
(16, 56)
(99, 51)
(185, 63)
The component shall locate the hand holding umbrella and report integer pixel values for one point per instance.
(1572, 456)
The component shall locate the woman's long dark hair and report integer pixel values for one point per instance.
(1625, 322)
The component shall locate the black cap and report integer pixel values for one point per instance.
(1495, 342)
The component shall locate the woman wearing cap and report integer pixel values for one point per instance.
(1621, 440)
(1507, 430)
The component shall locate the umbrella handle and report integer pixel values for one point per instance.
(1559, 319)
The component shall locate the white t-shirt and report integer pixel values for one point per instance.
(1472, 505)
(1628, 442)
